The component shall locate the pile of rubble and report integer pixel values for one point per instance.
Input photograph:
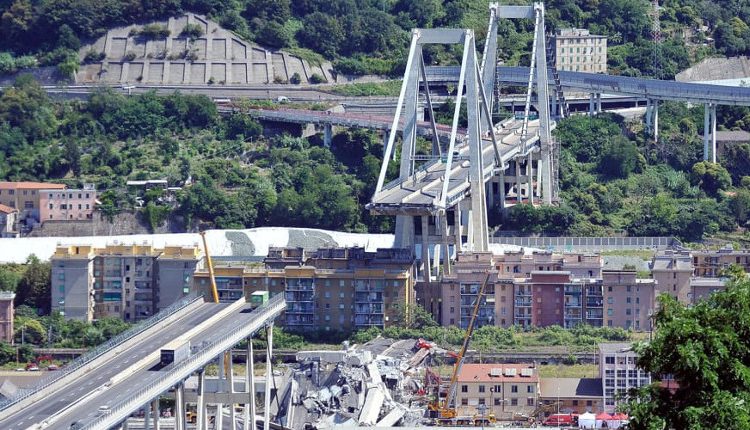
(376, 384)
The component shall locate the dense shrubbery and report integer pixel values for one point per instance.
(489, 338)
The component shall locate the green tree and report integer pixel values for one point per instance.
(710, 177)
(34, 287)
(619, 158)
(706, 349)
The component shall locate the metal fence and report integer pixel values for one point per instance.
(274, 306)
(100, 350)
(568, 243)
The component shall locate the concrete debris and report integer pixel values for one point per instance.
(375, 384)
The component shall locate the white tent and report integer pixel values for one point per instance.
(587, 421)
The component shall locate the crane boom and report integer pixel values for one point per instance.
(214, 292)
(462, 352)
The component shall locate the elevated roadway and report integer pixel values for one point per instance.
(419, 195)
(81, 384)
(131, 391)
(117, 375)
(622, 85)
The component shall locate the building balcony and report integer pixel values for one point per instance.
(572, 305)
(298, 287)
(522, 303)
(368, 309)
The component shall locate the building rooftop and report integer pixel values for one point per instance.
(496, 373)
(733, 136)
(7, 209)
(575, 32)
(672, 262)
(615, 347)
(570, 387)
(707, 282)
(31, 186)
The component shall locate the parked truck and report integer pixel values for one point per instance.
(175, 352)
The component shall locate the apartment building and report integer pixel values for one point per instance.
(339, 289)
(504, 390)
(67, 205)
(6, 316)
(578, 50)
(460, 288)
(711, 264)
(538, 289)
(672, 271)
(619, 373)
(8, 221)
(25, 196)
(128, 281)
(629, 300)
(571, 395)
(690, 276)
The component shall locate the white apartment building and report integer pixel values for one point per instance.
(579, 51)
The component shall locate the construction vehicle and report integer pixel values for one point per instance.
(444, 412)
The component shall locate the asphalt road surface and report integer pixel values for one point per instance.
(96, 378)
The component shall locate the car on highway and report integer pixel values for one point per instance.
(20, 369)
(104, 410)
(32, 367)
(53, 367)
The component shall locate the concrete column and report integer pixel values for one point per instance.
(457, 227)
(539, 167)
(269, 377)
(591, 104)
(519, 196)
(250, 412)
(155, 406)
(599, 103)
(706, 129)
(179, 407)
(230, 381)
(426, 271)
(201, 401)
(529, 179)
(713, 133)
(502, 190)
(218, 424)
(327, 135)
(490, 194)
(446, 250)
(147, 418)
(648, 116)
(656, 120)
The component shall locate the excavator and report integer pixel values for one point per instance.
(444, 412)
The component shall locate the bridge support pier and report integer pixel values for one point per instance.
(713, 133)
(200, 404)
(425, 266)
(250, 413)
(519, 197)
(457, 228)
(155, 407)
(656, 119)
(591, 104)
(179, 407)
(327, 135)
(530, 179)
(269, 377)
(598, 103)
(446, 250)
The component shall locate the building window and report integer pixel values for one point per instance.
(481, 401)
(464, 388)
(464, 402)
(481, 388)
(514, 388)
(498, 389)
(530, 401)
(514, 402)
(609, 360)
(610, 300)
(498, 401)
(529, 388)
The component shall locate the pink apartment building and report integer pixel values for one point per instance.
(67, 205)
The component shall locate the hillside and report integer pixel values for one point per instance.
(371, 36)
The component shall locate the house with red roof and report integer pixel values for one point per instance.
(505, 390)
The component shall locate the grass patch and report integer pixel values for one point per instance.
(569, 371)
(363, 89)
(308, 55)
(644, 254)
